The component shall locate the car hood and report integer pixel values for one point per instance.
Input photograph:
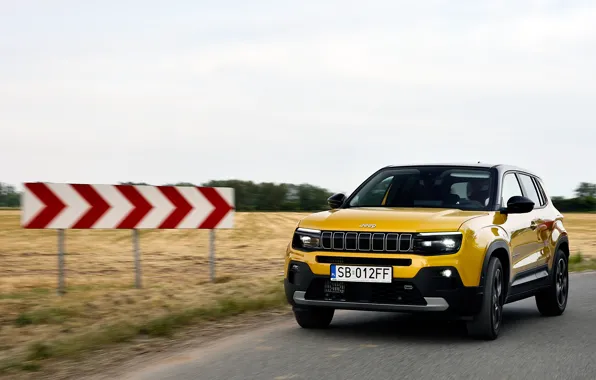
(388, 219)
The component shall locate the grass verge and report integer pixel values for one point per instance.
(270, 297)
(578, 263)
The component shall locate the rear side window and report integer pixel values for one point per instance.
(511, 188)
(541, 192)
(530, 189)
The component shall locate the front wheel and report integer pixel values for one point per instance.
(313, 317)
(487, 323)
(553, 300)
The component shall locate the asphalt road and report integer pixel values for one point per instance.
(365, 345)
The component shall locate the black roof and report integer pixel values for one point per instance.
(500, 167)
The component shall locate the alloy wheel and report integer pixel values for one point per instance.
(496, 299)
(562, 282)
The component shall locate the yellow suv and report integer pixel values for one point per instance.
(460, 239)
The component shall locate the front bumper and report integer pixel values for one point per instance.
(432, 304)
(428, 291)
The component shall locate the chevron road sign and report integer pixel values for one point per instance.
(84, 206)
(63, 206)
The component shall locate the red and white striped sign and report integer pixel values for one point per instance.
(84, 206)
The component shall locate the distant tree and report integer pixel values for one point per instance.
(9, 197)
(586, 190)
(271, 197)
(585, 200)
(312, 197)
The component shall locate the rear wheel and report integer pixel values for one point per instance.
(553, 300)
(487, 323)
(313, 317)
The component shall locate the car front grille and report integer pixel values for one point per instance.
(383, 242)
(397, 292)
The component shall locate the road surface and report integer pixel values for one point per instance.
(365, 345)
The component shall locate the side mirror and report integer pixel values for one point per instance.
(518, 205)
(336, 200)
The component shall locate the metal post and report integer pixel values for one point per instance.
(61, 262)
(212, 254)
(137, 253)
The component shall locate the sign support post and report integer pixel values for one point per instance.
(137, 256)
(212, 255)
(61, 290)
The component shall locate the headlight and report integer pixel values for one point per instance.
(437, 243)
(306, 239)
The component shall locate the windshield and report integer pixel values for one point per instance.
(436, 187)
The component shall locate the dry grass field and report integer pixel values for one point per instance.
(105, 257)
(102, 306)
(100, 281)
(582, 233)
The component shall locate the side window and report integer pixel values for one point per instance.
(530, 189)
(541, 192)
(511, 188)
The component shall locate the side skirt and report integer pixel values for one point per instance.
(528, 283)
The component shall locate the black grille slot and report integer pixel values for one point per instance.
(326, 240)
(378, 242)
(394, 293)
(405, 242)
(330, 260)
(364, 242)
(398, 262)
(391, 242)
(351, 241)
(338, 241)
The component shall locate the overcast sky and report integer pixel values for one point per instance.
(323, 92)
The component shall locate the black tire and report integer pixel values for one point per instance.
(313, 317)
(486, 325)
(553, 300)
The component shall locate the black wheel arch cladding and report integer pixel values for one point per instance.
(502, 245)
(493, 250)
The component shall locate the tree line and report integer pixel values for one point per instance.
(267, 196)
(584, 201)
(249, 196)
(9, 197)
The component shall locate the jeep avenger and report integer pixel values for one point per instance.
(462, 239)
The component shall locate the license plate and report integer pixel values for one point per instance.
(357, 273)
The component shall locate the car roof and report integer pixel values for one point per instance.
(502, 168)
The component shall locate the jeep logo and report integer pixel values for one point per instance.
(368, 225)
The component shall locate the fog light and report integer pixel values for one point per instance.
(446, 273)
(294, 275)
